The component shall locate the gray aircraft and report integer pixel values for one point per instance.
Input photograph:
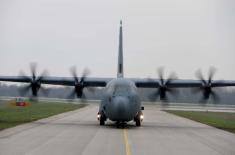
(121, 102)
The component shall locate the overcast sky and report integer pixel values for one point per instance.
(181, 35)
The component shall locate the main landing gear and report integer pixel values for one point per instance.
(101, 117)
(139, 118)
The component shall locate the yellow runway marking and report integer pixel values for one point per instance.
(127, 148)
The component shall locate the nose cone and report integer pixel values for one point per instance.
(120, 109)
(120, 104)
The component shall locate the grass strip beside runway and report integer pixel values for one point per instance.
(221, 120)
(11, 116)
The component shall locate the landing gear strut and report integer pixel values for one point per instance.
(120, 124)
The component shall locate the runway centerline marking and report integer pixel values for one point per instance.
(127, 147)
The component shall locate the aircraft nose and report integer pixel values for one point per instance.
(120, 104)
(120, 109)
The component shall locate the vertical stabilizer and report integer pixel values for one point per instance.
(120, 54)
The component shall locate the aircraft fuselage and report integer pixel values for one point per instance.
(120, 101)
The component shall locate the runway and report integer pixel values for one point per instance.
(78, 133)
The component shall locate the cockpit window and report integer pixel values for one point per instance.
(121, 90)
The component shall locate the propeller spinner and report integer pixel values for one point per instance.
(78, 83)
(207, 85)
(34, 81)
(163, 87)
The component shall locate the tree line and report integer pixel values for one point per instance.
(184, 95)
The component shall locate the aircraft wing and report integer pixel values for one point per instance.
(69, 81)
(169, 85)
(14, 79)
(155, 83)
(64, 81)
(101, 82)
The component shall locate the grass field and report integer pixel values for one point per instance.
(221, 120)
(14, 115)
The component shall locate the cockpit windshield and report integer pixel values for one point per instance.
(121, 90)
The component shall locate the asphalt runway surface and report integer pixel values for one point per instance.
(78, 133)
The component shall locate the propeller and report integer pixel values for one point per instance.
(163, 86)
(34, 81)
(78, 83)
(207, 85)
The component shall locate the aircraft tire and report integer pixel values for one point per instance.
(102, 120)
(138, 122)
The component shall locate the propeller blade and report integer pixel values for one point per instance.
(163, 86)
(164, 98)
(154, 96)
(43, 74)
(200, 76)
(24, 89)
(44, 91)
(215, 97)
(35, 82)
(207, 86)
(160, 72)
(173, 92)
(74, 74)
(212, 71)
(33, 67)
(79, 83)
(85, 73)
(171, 78)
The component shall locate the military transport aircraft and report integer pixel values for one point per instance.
(121, 102)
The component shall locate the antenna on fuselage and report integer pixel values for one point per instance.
(120, 53)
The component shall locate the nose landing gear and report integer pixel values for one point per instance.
(120, 124)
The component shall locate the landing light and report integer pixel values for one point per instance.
(141, 117)
(98, 116)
